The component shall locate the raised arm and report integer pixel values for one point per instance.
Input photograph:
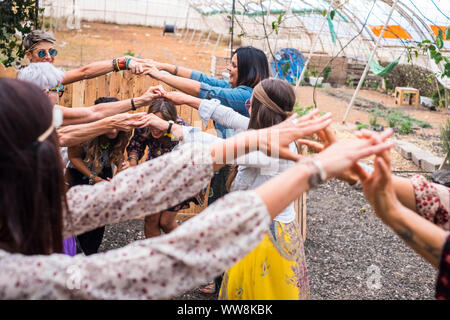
(100, 68)
(424, 237)
(189, 86)
(75, 134)
(172, 178)
(97, 112)
(160, 268)
(211, 109)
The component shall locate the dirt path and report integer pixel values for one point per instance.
(98, 41)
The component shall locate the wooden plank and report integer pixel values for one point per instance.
(66, 99)
(139, 86)
(90, 94)
(115, 85)
(186, 114)
(102, 87)
(78, 94)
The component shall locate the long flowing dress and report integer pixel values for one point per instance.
(276, 268)
(156, 268)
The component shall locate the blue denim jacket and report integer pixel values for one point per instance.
(213, 88)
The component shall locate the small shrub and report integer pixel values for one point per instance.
(406, 127)
(445, 139)
(326, 73)
(392, 121)
(362, 126)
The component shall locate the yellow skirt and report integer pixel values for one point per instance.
(274, 270)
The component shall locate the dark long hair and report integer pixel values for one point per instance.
(32, 194)
(280, 92)
(94, 152)
(253, 66)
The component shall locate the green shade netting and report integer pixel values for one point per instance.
(383, 71)
(331, 26)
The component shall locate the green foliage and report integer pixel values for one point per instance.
(326, 73)
(392, 121)
(434, 50)
(445, 139)
(314, 72)
(405, 127)
(362, 126)
(306, 75)
(276, 24)
(350, 82)
(300, 110)
(373, 119)
(408, 75)
(397, 119)
(439, 97)
(16, 21)
(129, 53)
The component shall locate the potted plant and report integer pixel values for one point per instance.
(313, 79)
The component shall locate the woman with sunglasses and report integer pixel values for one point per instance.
(40, 47)
(82, 124)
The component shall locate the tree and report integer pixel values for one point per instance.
(17, 19)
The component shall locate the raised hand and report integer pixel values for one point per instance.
(276, 140)
(136, 67)
(343, 155)
(152, 71)
(153, 93)
(129, 121)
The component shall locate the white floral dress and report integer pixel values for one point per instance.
(157, 268)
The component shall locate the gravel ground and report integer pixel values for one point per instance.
(346, 247)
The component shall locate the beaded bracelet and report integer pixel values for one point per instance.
(117, 65)
(114, 65)
(127, 65)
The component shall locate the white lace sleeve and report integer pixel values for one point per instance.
(212, 109)
(157, 268)
(148, 188)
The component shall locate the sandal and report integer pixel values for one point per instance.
(209, 289)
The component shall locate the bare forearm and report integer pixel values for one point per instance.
(192, 101)
(186, 85)
(103, 110)
(420, 234)
(180, 71)
(77, 134)
(90, 71)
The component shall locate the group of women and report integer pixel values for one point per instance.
(248, 232)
